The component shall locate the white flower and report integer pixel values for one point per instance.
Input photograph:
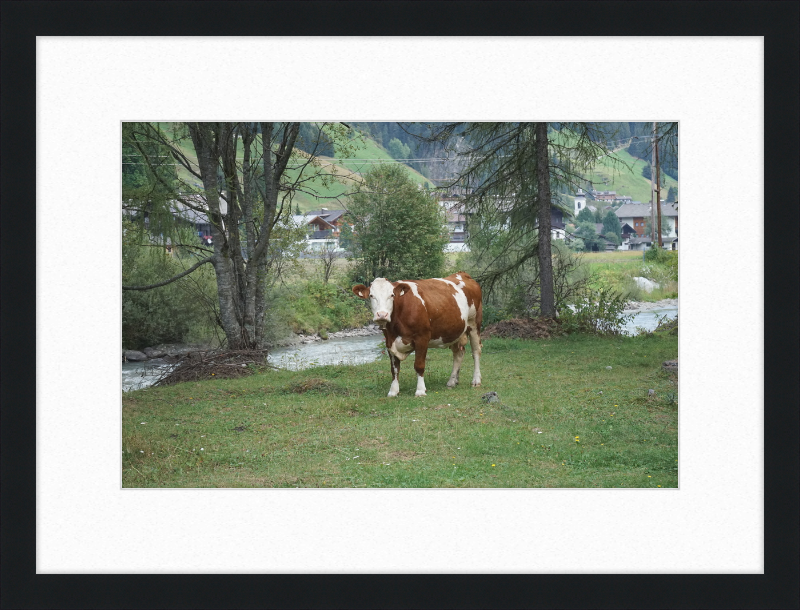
(540, 431)
(201, 449)
(142, 422)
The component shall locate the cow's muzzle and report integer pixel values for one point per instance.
(381, 317)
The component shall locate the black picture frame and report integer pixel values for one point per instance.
(22, 588)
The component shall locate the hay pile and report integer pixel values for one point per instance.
(524, 328)
(218, 364)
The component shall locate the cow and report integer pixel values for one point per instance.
(417, 314)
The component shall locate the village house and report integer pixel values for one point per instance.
(607, 196)
(327, 220)
(323, 228)
(636, 215)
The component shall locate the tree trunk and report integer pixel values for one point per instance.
(548, 308)
(206, 148)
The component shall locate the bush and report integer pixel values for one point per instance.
(598, 312)
(320, 307)
(666, 259)
(178, 312)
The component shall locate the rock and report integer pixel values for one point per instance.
(152, 352)
(651, 392)
(490, 397)
(608, 368)
(645, 284)
(670, 366)
(131, 355)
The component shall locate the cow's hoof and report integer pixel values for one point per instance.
(420, 394)
(452, 384)
(392, 395)
(476, 384)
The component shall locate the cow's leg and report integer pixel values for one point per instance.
(419, 367)
(458, 357)
(475, 344)
(394, 362)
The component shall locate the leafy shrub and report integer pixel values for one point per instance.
(598, 312)
(178, 312)
(317, 306)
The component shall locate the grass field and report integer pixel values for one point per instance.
(325, 190)
(626, 181)
(617, 270)
(564, 420)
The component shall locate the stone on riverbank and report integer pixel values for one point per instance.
(131, 355)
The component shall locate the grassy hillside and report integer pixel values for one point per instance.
(621, 173)
(326, 190)
(573, 412)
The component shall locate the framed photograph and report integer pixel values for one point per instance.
(75, 534)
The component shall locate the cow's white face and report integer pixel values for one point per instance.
(381, 300)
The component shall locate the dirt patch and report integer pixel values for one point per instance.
(227, 364)
(403, 456)
(524, 328)
(373, 442)
(314, 384)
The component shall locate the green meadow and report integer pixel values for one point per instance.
(564, 419)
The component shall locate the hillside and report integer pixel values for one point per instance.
(626, 181)
(326, 189)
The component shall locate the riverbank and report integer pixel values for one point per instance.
(639, 306)
(573, 411)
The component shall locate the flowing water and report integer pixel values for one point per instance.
(345, 350)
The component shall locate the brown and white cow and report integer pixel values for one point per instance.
(418, 314)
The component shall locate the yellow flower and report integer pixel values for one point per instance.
(649, 476)
(659, 485)
(492, 465)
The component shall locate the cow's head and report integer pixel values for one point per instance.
(381, 294)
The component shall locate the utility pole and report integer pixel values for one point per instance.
(658, 192)
(652, 189)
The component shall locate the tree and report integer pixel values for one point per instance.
(328, 255)
(591, 240)
(611, 224)
(585, 215)
(241, 177)
(399, 230)
(666, 226)
(398, 150)
(510, 171)
(672, 194)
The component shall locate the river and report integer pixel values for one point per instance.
(344, 350)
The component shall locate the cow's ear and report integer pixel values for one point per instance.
(400, 289)
(361, 291)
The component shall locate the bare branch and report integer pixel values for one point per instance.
(172, 279)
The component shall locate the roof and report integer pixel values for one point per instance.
(327, 215)
(641, 210)
(312, 218)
